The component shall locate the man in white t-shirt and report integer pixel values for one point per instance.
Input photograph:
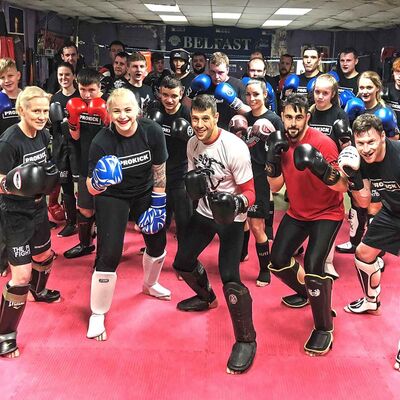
(220, 178)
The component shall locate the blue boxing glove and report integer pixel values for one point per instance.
(311, 85)
(354, 108)
(246, 80)
(199, 84)
(5, 103)
(271, 97)
(345, 96)
(153, 219)
(389, 121)
(224, 91)
(333, 73)
(107, 172)
(290, 85)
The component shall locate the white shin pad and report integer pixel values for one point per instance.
(101, 295)
(151, 269)
(366, 274)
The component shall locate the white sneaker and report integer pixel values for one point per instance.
(363, 306)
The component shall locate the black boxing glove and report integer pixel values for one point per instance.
(342, 131)
(275, 145)
(181, 129)
(307, 156)
(52, 177)
(226, 206)
(27, 180)
(196, 184)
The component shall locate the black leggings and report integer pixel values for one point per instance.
(199, 234)
(292, 233)
(111, 219)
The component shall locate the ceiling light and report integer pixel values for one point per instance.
(162, 8)
(277, 22)
(173, 18)
(226, 15)
(292, 11)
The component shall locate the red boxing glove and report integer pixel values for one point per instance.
(75, 107)
(98, 107)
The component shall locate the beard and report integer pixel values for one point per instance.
(199, 70)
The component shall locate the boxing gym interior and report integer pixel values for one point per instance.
(153, 350)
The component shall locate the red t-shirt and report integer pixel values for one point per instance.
(309, 198)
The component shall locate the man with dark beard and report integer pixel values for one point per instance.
(199, 62)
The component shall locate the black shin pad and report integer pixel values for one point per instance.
(40, 276)
(240, 308)
(12, 307)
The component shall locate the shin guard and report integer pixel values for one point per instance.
(70, 208)
(239, 302)
(40, 275)
(293, 276)
(245, 247)
(264, 277)
(152, 268)
(320, 296)
(358, 220)
(198, 281)
(101, 295)
(12, 307)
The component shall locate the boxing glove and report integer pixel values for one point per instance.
(226, 206)
(27, 179)
(349, 162)
(341, 131)
(98, 107)
(107, 172)
(354, 107)
(335, 75)
(389, 121)
(311, 85)
(307, 156)
(200, 84)
(246, 80)
(153, 219)
(274, 146)
(75, 107)
(56, 113)
(262, 128)
(156, 116)
(52, 177)
(5, 103)
(239, 126)
(181, 129)
(196, 184)
(291, 85)
(224, 91)
(345, 96)
(271, 97)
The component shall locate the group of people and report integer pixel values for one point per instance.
(209, 150)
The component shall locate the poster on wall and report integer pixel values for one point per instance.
(229, 40)
(16, 20)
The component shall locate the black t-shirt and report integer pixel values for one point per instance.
(177, 159)
(393, 100)
(186, 81)
(323, 121)
(61, 98)
(144, 95)
(225, 112)
(385, 176)
(348, 84)
(108, 84)
(137, 153)
(8, 118)
(90, 126)
(17, 148)
(255, 144)
(303, 82)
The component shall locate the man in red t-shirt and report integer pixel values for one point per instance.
(305, 160)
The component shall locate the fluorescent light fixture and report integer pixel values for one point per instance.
(173, 18)
(292, 11)
(277, 22)
(226, 15)
(162, 8)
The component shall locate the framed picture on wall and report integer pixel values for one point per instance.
(16, 20)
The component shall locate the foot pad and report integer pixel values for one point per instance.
(363, 306)
(319, 343)
(195, 303)
(96, 328)
(158, 291)
(241, 357)
(295, 301)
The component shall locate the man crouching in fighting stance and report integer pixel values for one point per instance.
(302, 158)
(221, 180)
(25, 176)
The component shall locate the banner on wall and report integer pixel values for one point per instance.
(229, 40)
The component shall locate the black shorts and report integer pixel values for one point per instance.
(383, 233)
(260, 208)
(27, 233)
(85, 199)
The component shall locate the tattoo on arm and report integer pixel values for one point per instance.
(159, 176)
